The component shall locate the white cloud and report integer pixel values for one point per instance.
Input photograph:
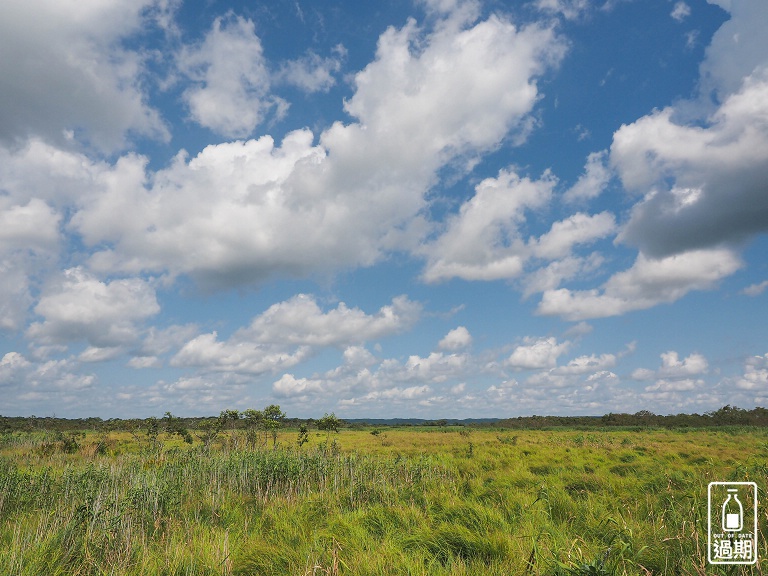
(482, 241)
(755, 289)
(462, 90)
(310, 73)
(15, 296)
(671, 366)
(569, 9)
(66, 69)
(718, 173)
(504, 390)
(357, 357)
(681, 11)
(141, 362)
(11, 365)
(537, 353)
(587, 364)
(28, 384)
(737, 49)
(581, 329)
(288, 333)
(103, 354)
(647, 283)
(755, 374)
(301, 321)
(207, 352)
(578, 228)
(456, 339)
(80, 307)
(428, 100)
(394, 395)
(288, 386)
(231, 95)
(555, 273)
(674, 375)
(683, 385)
(435, 368)
(32, 226)
(594, 180)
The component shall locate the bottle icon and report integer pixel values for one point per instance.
(733, 512)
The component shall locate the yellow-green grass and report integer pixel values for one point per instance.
(426, 501)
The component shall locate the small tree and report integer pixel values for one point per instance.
(273, 421)
(208, 430)
(253, 422)
(329, 424)
(230, 417)
(174, 427)
(153, 431)
(303, 435)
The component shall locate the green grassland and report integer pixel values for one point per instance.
(419, 501)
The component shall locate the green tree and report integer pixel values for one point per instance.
(273, 421)
(230, 417)
(254, 420)
(303, 435)
(329, 423)
(174, 427)
(208, 430)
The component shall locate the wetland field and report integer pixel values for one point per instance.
(410, 500)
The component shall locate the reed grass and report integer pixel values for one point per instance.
(560, 502)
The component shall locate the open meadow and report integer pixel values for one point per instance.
(393, 501)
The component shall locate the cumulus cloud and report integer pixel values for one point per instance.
(681, 11)
(311, 72)
(737, 49)
(550, 277)
(70, 72)
(569, 9)
(289, 387)
(11, 366)
(483, 241)
(647, 283)
(27, 384)
(681, 385)
(674, 375)
(755, 377)
(289, 332)
(718, 173)
(429, 99)
(537, 353)
(301, 321)
(594, 180)
(15, 295)
(755, 289)
(232, 91)
(671, 366)
(33, 226)
(579, 228)
(456, 339)
(587, 364)
(363, 380)
(79, 306)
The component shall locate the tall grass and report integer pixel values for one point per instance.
(547, 502)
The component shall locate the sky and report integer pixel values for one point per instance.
(425, 208)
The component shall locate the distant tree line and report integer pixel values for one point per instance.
(259, 427)
(251, 428)
(726, 416)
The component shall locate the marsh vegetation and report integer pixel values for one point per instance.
(410, 500)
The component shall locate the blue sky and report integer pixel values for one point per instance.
(436, 208)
